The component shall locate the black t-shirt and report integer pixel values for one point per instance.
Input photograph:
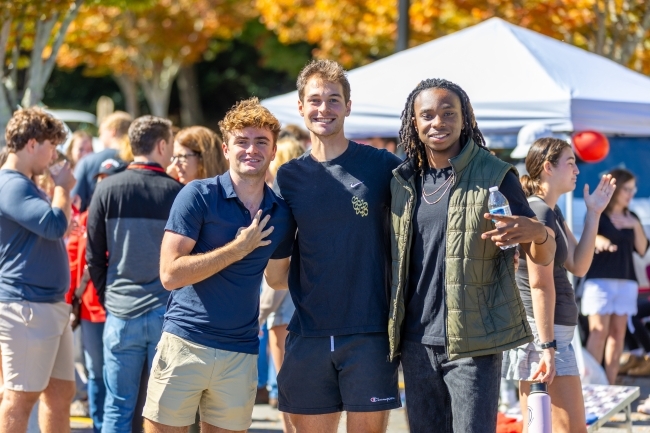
(425, 307)
(340, 266)
(619, 264)
(566, 309)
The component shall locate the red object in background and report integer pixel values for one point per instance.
(91, 309)
(508, 425)
(590, 146)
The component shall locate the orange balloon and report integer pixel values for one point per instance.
(590, 146)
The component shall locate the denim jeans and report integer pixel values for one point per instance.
(93, 347)
(442, 396)
(128, 344)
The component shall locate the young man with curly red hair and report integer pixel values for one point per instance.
(35, 335)
(219, 237)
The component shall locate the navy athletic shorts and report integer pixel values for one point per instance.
(352, 373)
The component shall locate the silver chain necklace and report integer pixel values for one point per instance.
(448, 182)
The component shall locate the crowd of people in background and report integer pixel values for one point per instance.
(170, 248)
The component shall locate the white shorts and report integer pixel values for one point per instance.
(284, 313)
(36, 343)
(604, 296)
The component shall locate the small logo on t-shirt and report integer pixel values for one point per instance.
(377, 399)
(360, 206)
(355, 184)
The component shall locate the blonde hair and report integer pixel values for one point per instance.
(124, 152)
(118, 121)
(248, 113)
(208, 145)
(288, 149)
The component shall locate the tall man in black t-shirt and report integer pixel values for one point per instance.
(337, 348)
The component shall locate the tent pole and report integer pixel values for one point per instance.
(402, 26)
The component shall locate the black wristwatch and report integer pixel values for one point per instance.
(548, 345)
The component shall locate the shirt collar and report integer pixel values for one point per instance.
(228, 191)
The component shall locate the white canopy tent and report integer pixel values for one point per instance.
(513, 77)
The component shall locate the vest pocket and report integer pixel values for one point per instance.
(488, 323)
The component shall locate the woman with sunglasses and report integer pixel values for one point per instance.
(611, 289)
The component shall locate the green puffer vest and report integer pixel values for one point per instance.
(484, 312)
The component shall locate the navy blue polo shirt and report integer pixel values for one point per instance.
(222, 311)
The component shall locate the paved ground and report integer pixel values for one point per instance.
(266, 419)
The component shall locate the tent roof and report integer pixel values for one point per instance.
(512, 75)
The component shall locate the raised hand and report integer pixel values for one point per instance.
(599, 199)
(63, 177)
(253, 236)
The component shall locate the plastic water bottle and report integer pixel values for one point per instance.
(498, 205)
(539, 409)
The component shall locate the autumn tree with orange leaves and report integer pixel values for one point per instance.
(356, 32)
(31, 33)
(148, 46)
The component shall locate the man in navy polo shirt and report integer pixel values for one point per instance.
(220, 235)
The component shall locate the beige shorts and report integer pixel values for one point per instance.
(36, 344)
(186, 375)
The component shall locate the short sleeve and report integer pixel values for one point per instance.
(186, 215)
(511, 188)
(276, 183)
(391, 161)
(285, 246)
(544, 214)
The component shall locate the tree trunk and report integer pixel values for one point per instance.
(5, 107)
(157, 98)
(129, 89)
(40, 69)
(158, 88)
(188, 91)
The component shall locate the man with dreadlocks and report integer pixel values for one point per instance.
(339, 194)
(454, 301)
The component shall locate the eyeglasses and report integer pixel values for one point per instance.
(182, 158)
(629, 190)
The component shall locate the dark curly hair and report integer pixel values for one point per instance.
(28, 123)
(408, 134)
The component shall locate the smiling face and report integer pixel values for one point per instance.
(187, 163)
(324, 107)
(250, 151)
(565, 173)
(439, 121)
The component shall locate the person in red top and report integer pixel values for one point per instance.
(87, 310)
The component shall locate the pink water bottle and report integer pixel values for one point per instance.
(539, 409)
